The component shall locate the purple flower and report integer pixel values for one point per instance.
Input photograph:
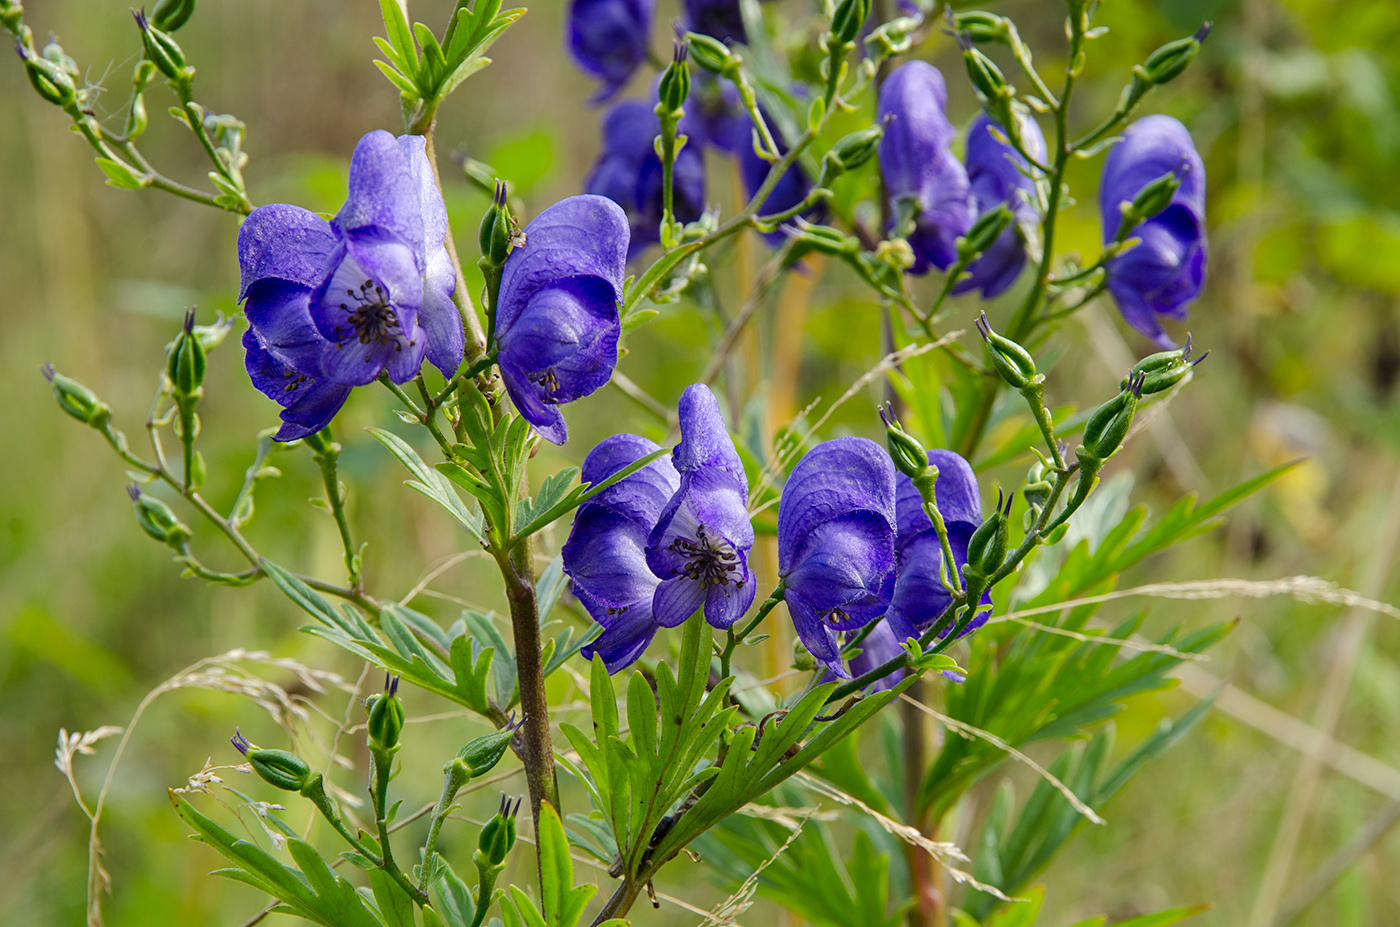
(610, 38)
(836, 532)
(1167, 270)
(996, 173)
(629, 172)
(721, 19)
(333, 305)
(917, 162)
(557, 323)
(715, 106)
(606, 551)
(919, 595)
(700, 546)
(791, 189)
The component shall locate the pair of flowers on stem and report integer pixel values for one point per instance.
(855, 542)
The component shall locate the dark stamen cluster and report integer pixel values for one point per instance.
(371, 316)
(711, 560)
(549, 380)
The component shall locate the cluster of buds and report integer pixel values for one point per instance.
(52, 73)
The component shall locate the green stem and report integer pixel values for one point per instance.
(427, 419)
(453, 781)
(776, 596)
(379, 793)
(326, 452)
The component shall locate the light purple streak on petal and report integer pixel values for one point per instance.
(284, 242)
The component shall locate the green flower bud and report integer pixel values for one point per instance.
(386, 717)
(1164, 370)
(1150, 200)
(821, 238)
(186, 363)
(155, 518)
(1109, 424)
(170, 15)
(986, 549)
(278, 768)
(162, 49)
(709, 52)
(50, 80)
(984, 232)
(1012, 361)
(494, 235)
(984, 74)
(54, 54)
(855, 149)
(498, 836)
(802, 659)
(1171, 59)
(76, 399)
(908, 455)
(982, 27)
(847, 20)
(11, 15)
(482, 753)
(675, 84)
(1037, 489)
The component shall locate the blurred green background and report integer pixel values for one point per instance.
(1293, 104)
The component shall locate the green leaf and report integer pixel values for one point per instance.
(120, 175)
(1164, 918)
(397, 31)
(455, 904)
(432, 484)
(395, 907)
(583, 493)
(315, 604)
(312, 892)
(561, 901)
(553, 491)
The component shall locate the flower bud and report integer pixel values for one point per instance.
(984, 232)
(170, 15)
(984, 74)
(1037, 489)
(1171, 59)
(76, 399)
(186, 363)
(1109, 424)
(54, 54)
(986, 549)
(675, 84)
(821, 238)
(847, 20)
(1154, 197)
(162, 49)
(854, 149)
(1164, 370)
(278, 768)
(11, 15)
(495, 232)
(498, 836)
(1012, 361)
(482, 753)
(908, 455)
(51, 81)
(386, 717)
(709, 52)
(156, 519)
(802, 659)
(981, 27)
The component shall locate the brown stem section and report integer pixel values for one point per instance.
(537, 753)
(620, 902)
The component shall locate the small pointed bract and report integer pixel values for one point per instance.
(557, 324)
(836, 533)
(1162, 274)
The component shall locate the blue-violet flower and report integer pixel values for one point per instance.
(610, 38)
(721, 19)
(997, 174)
(919, 595)
(605, 555)
(921, 174)
(836, 532)
(700, 546)
(557, 323)
(1164, 272)
(333, 305)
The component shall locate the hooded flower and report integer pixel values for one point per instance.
(609, 38)
(791, 189)
(333, 305)
(700, 546)
(718, 18)
(916, 160)
(629, 172)
(606, 551)
(836, 532)
(919, 594)
(996, 173)
(557, 323)
(1167, 269)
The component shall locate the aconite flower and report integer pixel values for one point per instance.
(836, 532)
(610, 38)
(557, 321)
(1166, 270)
(997, 175)
(332, 305)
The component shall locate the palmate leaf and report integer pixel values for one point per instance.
(311, 891)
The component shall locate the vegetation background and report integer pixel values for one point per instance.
(1293, 104)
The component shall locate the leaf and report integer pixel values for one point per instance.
(312, 892)
(395, 907)
(397, 31)
(120, 175)
(1164, 918)
(431, 483)
(561, 901)
(315, 604)
(583, 493)
(455, 904)
(552, 491)
(485, 633)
